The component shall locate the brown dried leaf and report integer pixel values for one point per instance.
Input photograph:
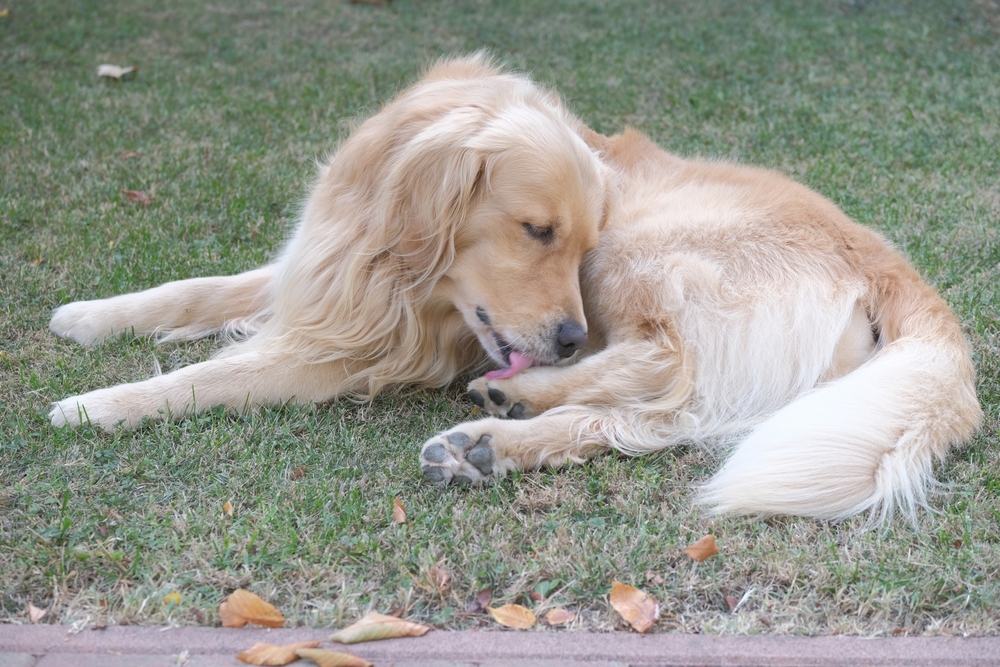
(398, 511)
(114, 71)
(703, 549)
(139, 197)
(35, 263)
(733, 602)
(272, 654)
(559, 616)
(378, 626)
(635, 606)
(128, 155)
(326, 658)
(242, 607)
(35, 614)
(535, 596)
(481, 602)
(298, 473)
(513, 616)
(441, 579)
(227, 508)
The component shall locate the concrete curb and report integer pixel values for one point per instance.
(53, 645)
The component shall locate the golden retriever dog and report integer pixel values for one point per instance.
(634, 301)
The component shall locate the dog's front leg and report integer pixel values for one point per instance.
(623, 374)
(473, 451)
(238, 382)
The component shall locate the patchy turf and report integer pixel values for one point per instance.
(890, 109)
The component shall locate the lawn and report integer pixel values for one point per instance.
(890, 109)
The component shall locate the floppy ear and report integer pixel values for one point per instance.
(429, 184)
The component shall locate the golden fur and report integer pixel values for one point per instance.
(656, 300)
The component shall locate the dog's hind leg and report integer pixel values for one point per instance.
(177, 310)
(238, 382)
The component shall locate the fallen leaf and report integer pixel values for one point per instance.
(378, 626)
(139, 197)
(35, 614)
(4, 12)
(733, 602)
(635, 606)
(114, 71)
(242, 607)
(703, 549)
(513, 616)
(298, 472)
(327, 658)
(172, 598)
(35, 263)
(227, 508)
(272, 654)
(481, 602)
(559, 616)
(957, 544)
(653, 578)
(398, 511)
(441, 579)
(128, 154)
(535, 596)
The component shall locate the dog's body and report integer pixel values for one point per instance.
(732, 304)
(724, 303)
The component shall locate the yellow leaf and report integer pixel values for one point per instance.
(513, 616)
(4, 12)
(114, 71)
(172, 598)
(227, 508)
(272, 654)
(703, 549)
(639, 609)
(242, 607)
(378, 626)
(559, 616)
(325, 658)
(35, 614)
(398, 511)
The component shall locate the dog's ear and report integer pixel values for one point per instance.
(430, 182)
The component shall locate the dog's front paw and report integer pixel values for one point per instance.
(82, 321)
(467, 454)
(497, 398)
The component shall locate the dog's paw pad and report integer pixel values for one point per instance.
(496, 402)
(454, 458)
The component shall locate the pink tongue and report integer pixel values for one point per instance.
(518, 362)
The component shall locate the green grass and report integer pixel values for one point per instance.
(890, 109)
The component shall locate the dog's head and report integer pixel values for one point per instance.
(500, 199)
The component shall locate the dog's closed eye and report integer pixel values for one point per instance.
(544, 234)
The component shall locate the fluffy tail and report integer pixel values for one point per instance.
(866, 442)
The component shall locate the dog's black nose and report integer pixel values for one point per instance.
(570, 337)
